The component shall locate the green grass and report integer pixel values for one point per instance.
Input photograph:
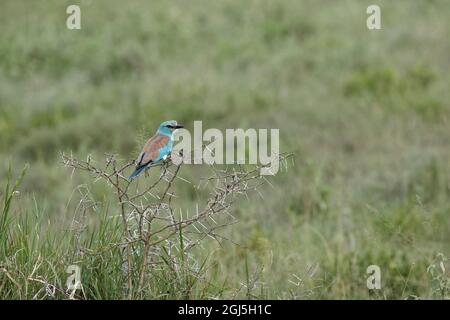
(366, 113)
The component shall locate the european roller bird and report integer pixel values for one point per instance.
(157, 148)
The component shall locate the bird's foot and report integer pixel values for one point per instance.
(165, 164)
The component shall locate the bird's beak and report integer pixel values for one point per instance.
(178, 126)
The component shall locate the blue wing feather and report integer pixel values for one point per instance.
(162, 153)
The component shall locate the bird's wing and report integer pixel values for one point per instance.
(150, 152)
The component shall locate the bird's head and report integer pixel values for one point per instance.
(168, 127)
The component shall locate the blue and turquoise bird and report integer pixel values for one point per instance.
(157, 147)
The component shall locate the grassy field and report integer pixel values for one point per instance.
(367, 114)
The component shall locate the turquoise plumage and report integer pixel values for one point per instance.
(157, 148)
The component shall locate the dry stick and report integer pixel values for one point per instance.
(227, 188)
(149, 234)
(126, 231)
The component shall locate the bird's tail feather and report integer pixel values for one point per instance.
(136, 173)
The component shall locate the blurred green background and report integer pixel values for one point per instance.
(365, 112)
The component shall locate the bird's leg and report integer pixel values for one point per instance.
(163, 168)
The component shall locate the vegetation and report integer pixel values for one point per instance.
(366, 114)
